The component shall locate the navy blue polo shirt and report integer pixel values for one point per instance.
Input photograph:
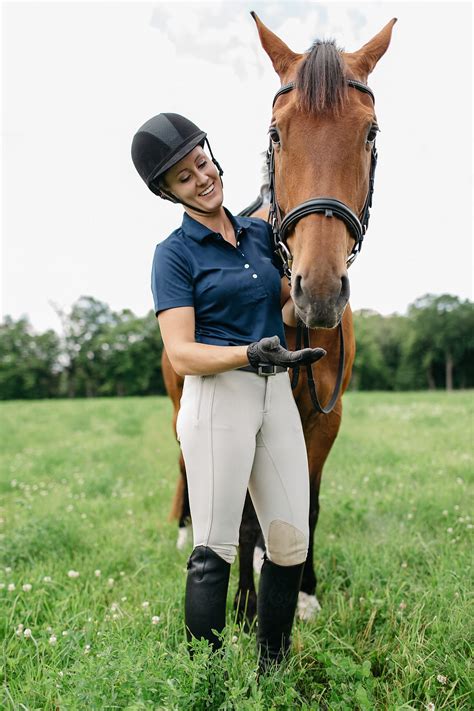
(235, 291)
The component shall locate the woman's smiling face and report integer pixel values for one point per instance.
(195, 180)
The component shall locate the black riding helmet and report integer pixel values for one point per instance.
(160, 143)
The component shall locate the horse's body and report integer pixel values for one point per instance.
(320, 247)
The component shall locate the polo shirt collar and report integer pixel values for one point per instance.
(197, 231)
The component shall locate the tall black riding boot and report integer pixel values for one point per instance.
(206, 593)
(276, 604)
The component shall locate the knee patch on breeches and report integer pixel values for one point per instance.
(287, 545)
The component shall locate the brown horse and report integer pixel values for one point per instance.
(323, 131)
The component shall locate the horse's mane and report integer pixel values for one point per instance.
(321, 85)
(320, 81)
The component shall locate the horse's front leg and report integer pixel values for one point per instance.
(320, 433)
(308, 603)
(245, 601)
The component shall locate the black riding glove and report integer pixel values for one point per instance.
(269, 350)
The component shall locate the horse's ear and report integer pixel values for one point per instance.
(367, 56)
(280, 54)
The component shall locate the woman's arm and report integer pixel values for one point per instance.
(190, 358)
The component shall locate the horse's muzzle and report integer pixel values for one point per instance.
(318, 310)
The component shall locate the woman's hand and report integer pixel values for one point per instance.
(269, 350)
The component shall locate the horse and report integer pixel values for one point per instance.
(322, 141)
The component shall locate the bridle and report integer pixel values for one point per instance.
(330, 207)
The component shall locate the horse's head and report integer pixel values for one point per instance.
(322, 132)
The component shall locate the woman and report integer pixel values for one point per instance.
(218, 290)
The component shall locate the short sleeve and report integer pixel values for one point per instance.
(276, 259)
(171, 278)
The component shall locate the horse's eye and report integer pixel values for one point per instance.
(373, 133)
(274, 135)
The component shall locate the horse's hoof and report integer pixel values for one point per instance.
(245, 603)
(308, 606)
(182, 537)
(257, 559)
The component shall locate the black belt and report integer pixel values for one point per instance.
(264, 369)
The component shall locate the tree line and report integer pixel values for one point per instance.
(105, 353)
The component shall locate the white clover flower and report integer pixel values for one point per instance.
(8, 570)
(49, 629)
(115, 616)
(409, 515)
(449, 530)
(2, 585)
(145, 604)
(234, 638)
(124, 598)
(73, 574)
(97, 573)
(445, 512)
(47, 579)
(114, 606)
(11, 587)
(402, 605)
(61, 674)
(69, 508)
(155, 619)
(430, 706)
(83, 515)
(121, 573)
(27, 587)
(110, 582)
(404, 564)
(19, 630)
(53, 639)
(442, 679)
(87, 649)
(27, 633)
(65, 633)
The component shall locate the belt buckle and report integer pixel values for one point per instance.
(266, 369)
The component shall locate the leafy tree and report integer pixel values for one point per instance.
(130, 352)
(83, 327)
(29, 363)
(442, 337)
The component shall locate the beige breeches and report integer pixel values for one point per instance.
(239, 430)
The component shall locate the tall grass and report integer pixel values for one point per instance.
(92, 585)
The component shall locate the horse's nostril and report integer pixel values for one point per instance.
(345, 288)
(297, 289)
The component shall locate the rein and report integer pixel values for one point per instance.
(330, 207)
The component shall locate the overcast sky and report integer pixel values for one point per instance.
(79, 79)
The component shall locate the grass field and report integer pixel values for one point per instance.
(92, 585)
